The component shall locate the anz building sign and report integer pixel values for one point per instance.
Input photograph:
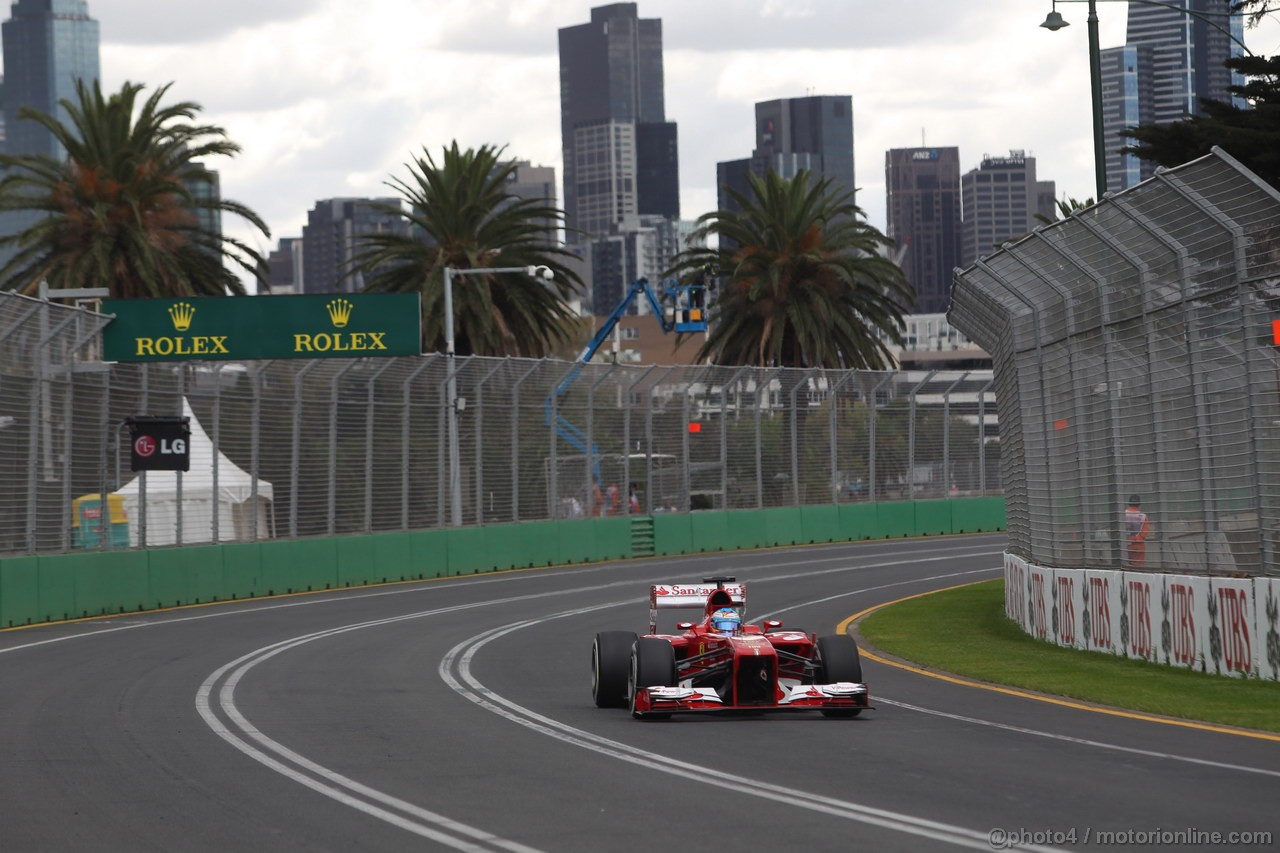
(925, 154)
(252, 327)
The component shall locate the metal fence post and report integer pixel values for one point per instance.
(144, 403)
(724, 432)
(833, 400)
(590, 451)
(768, 383)
(872, 419)
(946, 433)
(479, 438)
(445, 449)
(111, 443)
(295, 463)
(178, 475)
(626, 437)
(515, 439)
(795, 436)
(256, 372)
(332, 518)
(685, 497)
(406, 422)
(982, 437)
(371, 402)
(68, 446)
(911, 434)
(648, 433)
(215, 437)
(553, 433)
(33, 454)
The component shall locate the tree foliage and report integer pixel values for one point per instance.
(464, 217)
(803, 282)
(119, 210)
(1251, 135)
(1255, 10)
(1064, 207)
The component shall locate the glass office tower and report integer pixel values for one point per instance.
(613, 126)
(923, 203)
(1172, 59)
(48, 46)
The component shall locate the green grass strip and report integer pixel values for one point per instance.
(964, 631)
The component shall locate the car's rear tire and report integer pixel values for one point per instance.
(653, 664)
(610, 668)
(838, 660)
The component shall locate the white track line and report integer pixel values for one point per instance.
(466, 684)
(437, 827)
(242, 734)
(392, 810)
(1115, 747)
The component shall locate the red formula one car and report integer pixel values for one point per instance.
(722, 664)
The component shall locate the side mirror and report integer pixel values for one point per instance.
(684, 626)
(771, 625)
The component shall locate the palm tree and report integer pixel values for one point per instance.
(464, 217)
(803, 279)
(119, 211)
(1065, 207)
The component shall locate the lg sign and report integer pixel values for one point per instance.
(146, 446)
(160, 443)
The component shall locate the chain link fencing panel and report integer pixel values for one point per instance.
(1136, 366)
(294, 448)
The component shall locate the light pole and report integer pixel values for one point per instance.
(451, 381)
(1054, 22)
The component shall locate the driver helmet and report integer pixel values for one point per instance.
(726, 619)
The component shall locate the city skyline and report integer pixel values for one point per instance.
(323, 107)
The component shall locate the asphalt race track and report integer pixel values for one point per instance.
(457, 714)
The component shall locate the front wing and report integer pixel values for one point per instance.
(844, 695)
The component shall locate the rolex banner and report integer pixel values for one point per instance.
(250, 327)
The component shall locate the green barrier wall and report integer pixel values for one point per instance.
(56, 587)
(672, 534)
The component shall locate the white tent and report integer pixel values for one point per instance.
(193, 507)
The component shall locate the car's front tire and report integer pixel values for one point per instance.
(838, 660)
(611, 667)
(653, 664)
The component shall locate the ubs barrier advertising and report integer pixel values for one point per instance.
(1222, 626)
(258, 327)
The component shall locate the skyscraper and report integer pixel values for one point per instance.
(813, 133)
(535, 183)
(619, 149)
(1127, 101)
(284, 267)
(638, 247)
(330, 241)
(1181, 62)
(48, 46)
(1000, 201)
(923, 204)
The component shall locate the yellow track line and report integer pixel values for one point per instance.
(843, 628)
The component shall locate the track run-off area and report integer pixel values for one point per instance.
(456, 714)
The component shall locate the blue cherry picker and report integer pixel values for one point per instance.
(678, 307)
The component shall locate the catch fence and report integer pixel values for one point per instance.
(1135, 349)
(291, 448)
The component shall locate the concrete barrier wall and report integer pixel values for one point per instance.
(1223, 626)
(56, 587)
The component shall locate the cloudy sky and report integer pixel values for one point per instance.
(332, 97)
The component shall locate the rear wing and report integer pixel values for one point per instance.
(688, 596)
